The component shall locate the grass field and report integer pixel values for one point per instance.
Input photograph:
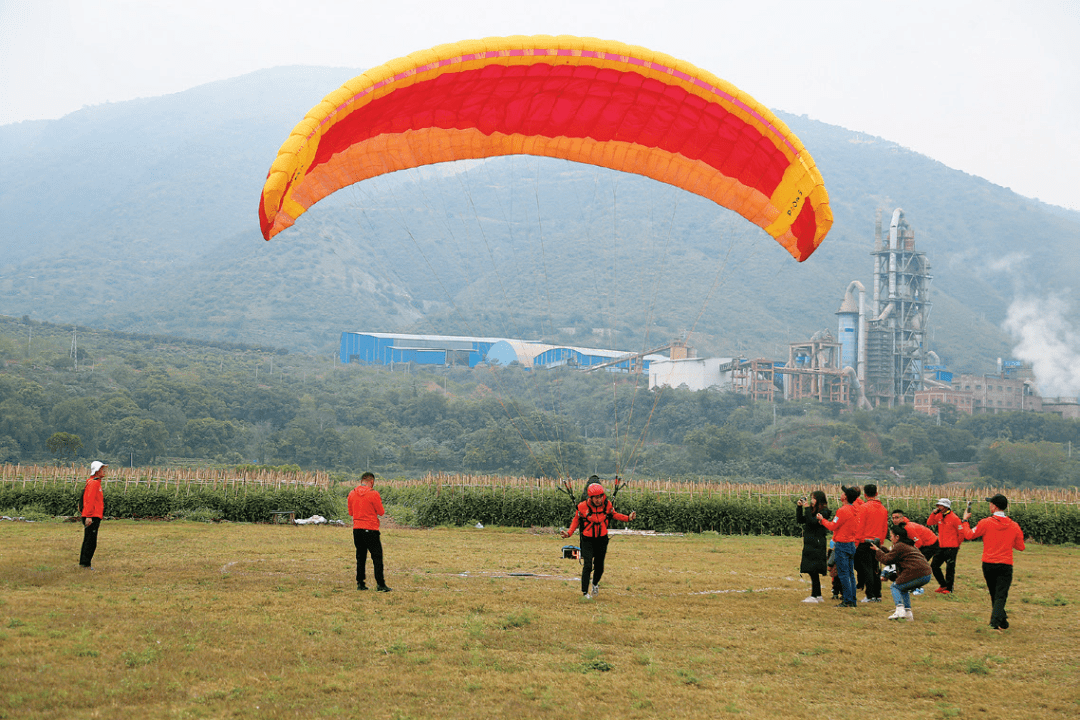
(190, 620)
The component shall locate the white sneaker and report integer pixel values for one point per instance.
(917, 591)
(813, 599)
(595, 590)
(586, 596)
(908, 616)
(899, 614)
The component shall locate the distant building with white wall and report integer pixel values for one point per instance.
(694, 373)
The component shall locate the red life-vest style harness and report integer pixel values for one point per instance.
(595, 521)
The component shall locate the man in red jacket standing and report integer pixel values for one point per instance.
(949, 539)
(92, 506)
(873, 521)
(845, 529)
(365, 507)
(1001, 535)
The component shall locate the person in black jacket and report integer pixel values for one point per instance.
(815, 544)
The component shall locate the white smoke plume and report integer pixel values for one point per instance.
(1048, 339)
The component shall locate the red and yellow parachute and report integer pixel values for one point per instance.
(591, 101)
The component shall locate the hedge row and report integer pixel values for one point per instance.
(680, 512)
(252, 505)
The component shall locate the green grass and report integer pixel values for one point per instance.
(189, 619)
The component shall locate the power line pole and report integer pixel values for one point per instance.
(75, 346)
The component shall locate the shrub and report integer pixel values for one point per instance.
(203, 514)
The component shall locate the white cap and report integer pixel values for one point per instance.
(946, 502)
(95, 466)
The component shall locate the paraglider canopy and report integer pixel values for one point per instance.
(592, 101)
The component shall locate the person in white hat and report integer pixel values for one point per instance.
(92, 506)
(949, 539)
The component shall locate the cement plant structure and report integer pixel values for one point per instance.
(885, 344)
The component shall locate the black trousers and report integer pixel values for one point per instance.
(368, 541)
(929, 551)
(89, 541)
(998, 581)
(945, 556)
(593, 552)
(867, 571)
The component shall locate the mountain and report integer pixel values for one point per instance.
(141, 216)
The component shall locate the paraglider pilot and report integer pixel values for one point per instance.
(594, 515)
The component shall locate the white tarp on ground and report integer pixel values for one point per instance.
(313, 520)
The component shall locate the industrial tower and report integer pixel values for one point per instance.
(895, 348)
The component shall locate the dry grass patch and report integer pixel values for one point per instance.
(235, 620)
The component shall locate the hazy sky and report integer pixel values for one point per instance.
(989, 87)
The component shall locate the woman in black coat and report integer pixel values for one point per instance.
(815, 542)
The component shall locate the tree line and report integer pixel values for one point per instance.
(142, 399)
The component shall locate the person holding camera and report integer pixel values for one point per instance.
(1001, 535)
(925, 539)
(814, 550)
(912, 570)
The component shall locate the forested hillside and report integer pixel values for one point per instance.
(131, 399)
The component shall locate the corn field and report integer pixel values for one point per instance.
(1046, 515)
(157, 477)
(1051, 516)
(165, 492)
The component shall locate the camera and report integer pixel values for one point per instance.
(889, 572)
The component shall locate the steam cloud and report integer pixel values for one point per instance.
(1049, 341)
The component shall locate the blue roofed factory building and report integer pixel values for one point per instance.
(392, 348)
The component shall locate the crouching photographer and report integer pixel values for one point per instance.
(912, 570)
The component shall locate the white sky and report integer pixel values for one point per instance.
(989, 87)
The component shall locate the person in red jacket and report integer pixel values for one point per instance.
(948, 524)
(92, 506)
(873, 528)
(594, 515)
(922, 536)
(1001, 535)
(365, 507)
(845, 530)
